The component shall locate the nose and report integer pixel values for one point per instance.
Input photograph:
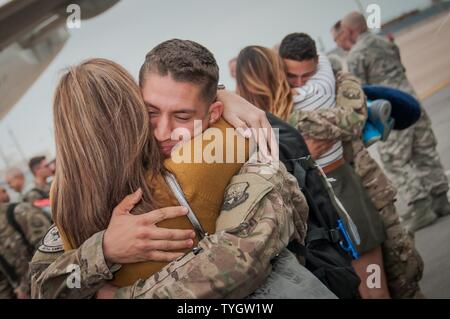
(162, 128)
(299, 82)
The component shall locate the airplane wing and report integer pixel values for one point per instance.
(32, 32)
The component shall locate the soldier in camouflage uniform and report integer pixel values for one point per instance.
(269, 213)
(403, 264)
(15, 251)
(41, 172)
(409, 156)
(36, 193)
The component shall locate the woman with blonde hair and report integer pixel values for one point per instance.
(261, 80)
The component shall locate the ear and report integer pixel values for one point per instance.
(215, 112)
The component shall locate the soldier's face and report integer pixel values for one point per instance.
(174, 105)
(16, 183)
(342, 39)
(43, 170)
(299, 72)
(4, 197)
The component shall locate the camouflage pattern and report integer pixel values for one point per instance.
(250, 233)
(34, 224)
(37, 193)
(342, 123)
(409, 156)
(403, 264)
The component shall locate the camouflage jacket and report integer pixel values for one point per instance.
(345, 122)
(13, 249)
(37, 192)
(263, 210)
(375, 60)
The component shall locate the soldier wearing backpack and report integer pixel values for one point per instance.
(22, 227)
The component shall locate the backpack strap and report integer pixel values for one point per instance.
(178, 192)
(316, 234)
(325, 232)
(10, 214)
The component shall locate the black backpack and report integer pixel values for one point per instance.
(322, 251)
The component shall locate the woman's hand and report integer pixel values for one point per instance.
(134, 238)
(249, 121)
(106, 292)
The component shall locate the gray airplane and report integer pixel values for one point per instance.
(32, 32)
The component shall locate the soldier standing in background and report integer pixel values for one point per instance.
(16, 181)
(41, 173)
(22, 227)
(409, 156)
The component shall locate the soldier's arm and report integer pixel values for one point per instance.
(236, 260)
(344, 122)
(356, 62)
(77, 273)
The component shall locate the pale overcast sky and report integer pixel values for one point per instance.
(130, 29)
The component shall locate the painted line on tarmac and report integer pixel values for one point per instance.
(434, 89)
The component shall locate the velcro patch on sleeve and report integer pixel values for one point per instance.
(241, 195)
(52, 242)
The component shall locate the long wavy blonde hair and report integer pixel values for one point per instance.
(103, 145)
(261, 79)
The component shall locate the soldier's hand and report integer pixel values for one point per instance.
(134, 238)
(318, 147)
(21, 294)
(106, 292)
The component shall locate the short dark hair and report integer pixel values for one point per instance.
(337, 26)
(185, 61)
(298, 47)
(35, 161)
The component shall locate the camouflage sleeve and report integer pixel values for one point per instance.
(76, 273)
(6, 290)
(31, 196)
(356, 62)
(344, 122)
(258, 219)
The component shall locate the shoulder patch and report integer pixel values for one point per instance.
(51, 243)
(235, 195)
(352, 94)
